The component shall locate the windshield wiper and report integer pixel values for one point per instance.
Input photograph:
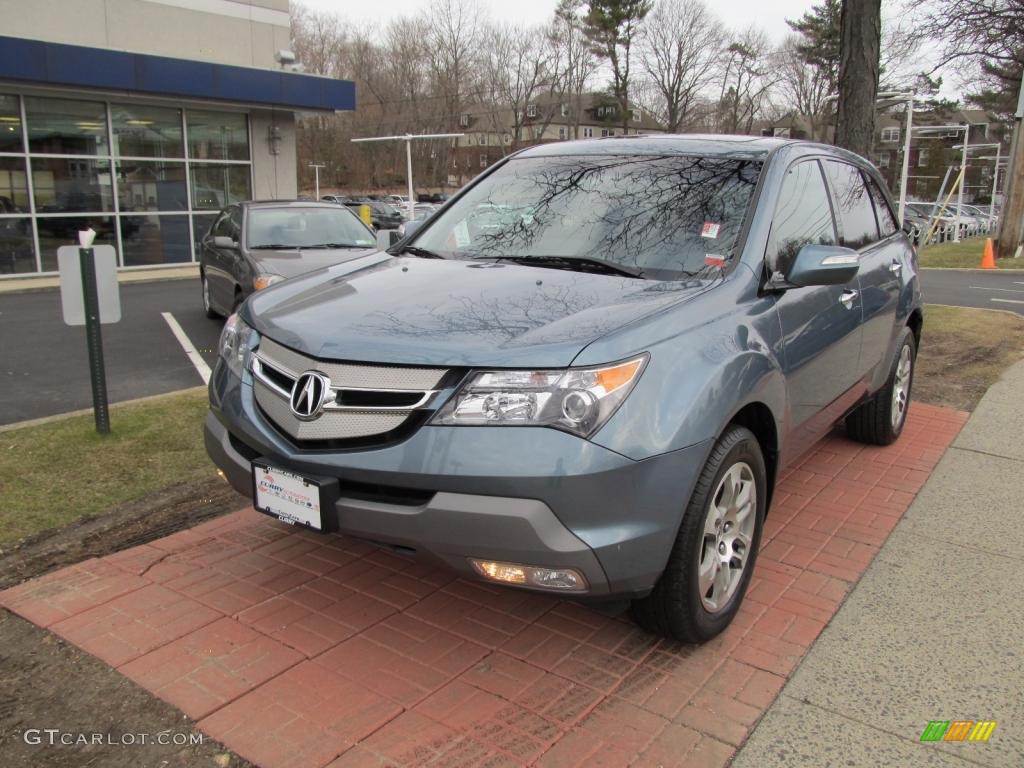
(337, 245)
(273, 247)
(577, 263)
(415, 250)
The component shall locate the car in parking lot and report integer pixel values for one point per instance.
(252, 245)
(593, 396)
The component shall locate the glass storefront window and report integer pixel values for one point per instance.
(10, 124)
(66, 127)
(17, 253)
(55, 231)
(13, 187)
(151, 239)
(217, 135)
(141, 131)
(125, 169)
(62, 184)
(217, 185)
(144, 185)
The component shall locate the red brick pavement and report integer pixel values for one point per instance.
(296, 649)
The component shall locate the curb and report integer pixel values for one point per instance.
(49, 282)
(83, 411)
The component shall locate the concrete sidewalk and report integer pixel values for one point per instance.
(933, 631)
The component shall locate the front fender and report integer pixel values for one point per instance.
(698, 380)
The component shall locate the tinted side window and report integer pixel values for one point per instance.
(853, 205)
(802, 216)
(886, 220)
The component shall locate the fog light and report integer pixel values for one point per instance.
(563, 579)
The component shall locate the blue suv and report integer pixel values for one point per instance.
(584, 373)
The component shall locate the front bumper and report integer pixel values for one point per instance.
(534, 496)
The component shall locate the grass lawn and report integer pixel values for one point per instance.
(963, 352)
(53, 473)
(966, 255)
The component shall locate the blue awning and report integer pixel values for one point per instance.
(38, 62)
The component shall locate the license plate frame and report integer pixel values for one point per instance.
(290, 497)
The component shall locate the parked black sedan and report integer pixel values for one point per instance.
(255, 244)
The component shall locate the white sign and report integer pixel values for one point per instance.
(71, 299)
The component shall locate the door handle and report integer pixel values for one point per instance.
(847, 297)
(895, 267)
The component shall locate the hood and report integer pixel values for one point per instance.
(292, 263)
(454, 313)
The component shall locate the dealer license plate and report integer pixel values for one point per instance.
(289, 497)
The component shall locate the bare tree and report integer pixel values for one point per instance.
(518, 68)
(576, 63)
(804, 88)
(679, 51)
(748, 74)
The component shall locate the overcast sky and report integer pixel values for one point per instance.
(769, 15)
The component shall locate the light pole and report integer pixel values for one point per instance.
(316, 172)
(408, 139)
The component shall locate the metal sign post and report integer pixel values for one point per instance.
(94, 340)
(89, 297)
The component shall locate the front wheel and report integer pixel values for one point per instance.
(880, 420)
(709, 568)
(207, 304)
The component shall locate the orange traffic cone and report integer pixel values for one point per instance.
(988, 261)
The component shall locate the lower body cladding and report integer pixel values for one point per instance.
(524, 496)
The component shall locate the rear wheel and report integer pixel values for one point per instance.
(709, 568)
(880, 420)
(207, 305)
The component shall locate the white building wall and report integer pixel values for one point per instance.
(240, 32)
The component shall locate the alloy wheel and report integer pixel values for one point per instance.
(728, 533)
(901, 387)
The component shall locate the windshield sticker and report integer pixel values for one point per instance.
(461, 232)
(710, 229)
(714, 261)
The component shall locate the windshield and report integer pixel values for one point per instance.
(297, 227)
(661, 217)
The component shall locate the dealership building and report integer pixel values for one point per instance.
(141, 119)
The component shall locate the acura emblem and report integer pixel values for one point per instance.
(308, 395)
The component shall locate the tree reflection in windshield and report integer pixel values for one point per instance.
(668, 216)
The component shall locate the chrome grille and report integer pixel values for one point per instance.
(349, 375)
(275, 369)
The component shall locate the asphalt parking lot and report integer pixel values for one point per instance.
(44, 363)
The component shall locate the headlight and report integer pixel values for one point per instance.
(578, 400)
(236, 341)
(265, 281)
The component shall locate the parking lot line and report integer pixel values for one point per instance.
(201, 367)
(1007, 290)
(1008, 301)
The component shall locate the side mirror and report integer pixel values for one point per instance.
(823, 265)
(411, 226)
(908, 226)
(221, 241)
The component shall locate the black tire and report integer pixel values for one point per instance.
(207, 302)
(874, 422)
(675, 607)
